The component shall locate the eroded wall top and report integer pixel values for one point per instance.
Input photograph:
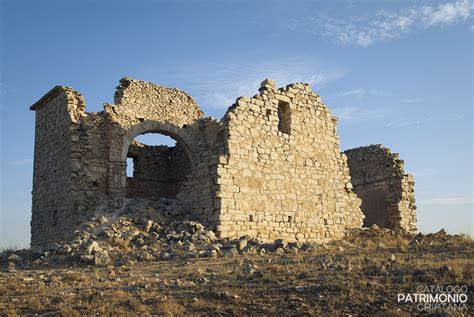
(387, 192)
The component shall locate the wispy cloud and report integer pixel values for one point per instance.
(218, 89)
(447, 13)
(400, 123)
(385, 25)
(448, 200)
(20, 162)
(356, 114)
(360, 93)
(411, 100)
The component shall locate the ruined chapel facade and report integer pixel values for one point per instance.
(271, 168)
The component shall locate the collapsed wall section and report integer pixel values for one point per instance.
(387, 193)
(141, 107)
(282, 174)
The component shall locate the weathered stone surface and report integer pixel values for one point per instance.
(271, 168)
(387, 193)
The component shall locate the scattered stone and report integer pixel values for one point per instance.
(165, 256)
(279, 251)
(232, 251)
(101, 258)
(242, 244)
(92, 247)
(213, 254)
(13, 258)
(279, 243)
(103, 220)
(374, 227)
(11, 267)
(392, 258)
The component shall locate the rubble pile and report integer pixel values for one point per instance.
(141, 230)
(126, 231)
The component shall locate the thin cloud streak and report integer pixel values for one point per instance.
(385, 25)
(398, 123)
(360, 93)
(356, 114)
(20, 162)
(411, 100)
(220, 88)
(448, 200)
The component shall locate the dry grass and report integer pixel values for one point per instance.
(360, 280)
(123, 245)
(3, 290)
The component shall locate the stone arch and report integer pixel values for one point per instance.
(121, 143)
(142, 107)
(149, 126)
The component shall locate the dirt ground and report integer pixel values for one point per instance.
(360, 276)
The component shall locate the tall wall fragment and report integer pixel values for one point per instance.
(387, 193)
(55, 165)
(282, 174)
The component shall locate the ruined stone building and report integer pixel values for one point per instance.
(270, 168)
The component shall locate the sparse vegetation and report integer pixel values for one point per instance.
(361, 275)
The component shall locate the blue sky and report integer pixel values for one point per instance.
(394, 72)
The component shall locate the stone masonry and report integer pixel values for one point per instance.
(271, 168)
(387, 193)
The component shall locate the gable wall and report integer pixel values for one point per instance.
(293, 186)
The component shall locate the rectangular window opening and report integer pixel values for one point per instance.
(130, 166)
(284, 117)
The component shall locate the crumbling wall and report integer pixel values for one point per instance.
(387, 193)
(271, 168)
(197, 197)
(54, 209)
(142, 107)
(282, 174)
(80, 157)
(158, 171)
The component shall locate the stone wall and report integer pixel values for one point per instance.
(270, 168)
(387, 193)
(282, 174)
(53, 205)
(80, 157)
(158, 171)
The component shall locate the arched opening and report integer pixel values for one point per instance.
(157, 166)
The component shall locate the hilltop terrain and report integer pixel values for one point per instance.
(142, 259)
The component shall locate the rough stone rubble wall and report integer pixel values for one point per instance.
(142, 107)
(54, 209)
(80, 157)
(158, 171)
(387, 192)
(271, 168)
(273, 184)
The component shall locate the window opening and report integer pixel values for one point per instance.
(284, 117)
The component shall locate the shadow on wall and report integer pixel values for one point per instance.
(158, 170)
(387, 193)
